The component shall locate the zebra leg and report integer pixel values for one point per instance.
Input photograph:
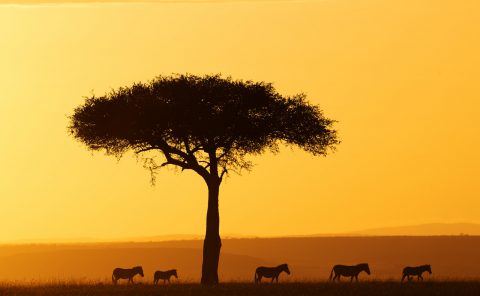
(420, 277)
(356, 277)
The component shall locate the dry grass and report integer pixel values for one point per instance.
(387, 288)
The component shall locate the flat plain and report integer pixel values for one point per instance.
(309, 259)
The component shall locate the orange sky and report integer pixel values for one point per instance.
(401, 78)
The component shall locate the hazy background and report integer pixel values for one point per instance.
(401, 77)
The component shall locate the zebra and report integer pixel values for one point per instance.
(416, 271)
(164, 275)
(270, 272)
(351, 271)
(129, 273)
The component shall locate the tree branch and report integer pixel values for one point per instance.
(224, 171)
(187, 161)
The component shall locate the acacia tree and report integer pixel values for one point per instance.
(208, 124)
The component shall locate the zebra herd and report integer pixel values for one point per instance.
(273, 273)
(338, 271)
(129, 273)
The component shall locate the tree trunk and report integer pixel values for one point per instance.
(212, 242)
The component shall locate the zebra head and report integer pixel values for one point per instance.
(175, 273)
(429, 269)
(139, 270)
(285, 268)
(366, 268)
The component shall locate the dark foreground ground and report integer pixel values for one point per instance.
(457, 288)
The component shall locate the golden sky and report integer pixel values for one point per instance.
(401, 77)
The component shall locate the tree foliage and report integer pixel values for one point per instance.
(208, 124)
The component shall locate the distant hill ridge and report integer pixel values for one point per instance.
(424, 229)
(411, 230)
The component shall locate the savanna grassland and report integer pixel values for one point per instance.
(86, 269)
(309, 259)
(387, 288)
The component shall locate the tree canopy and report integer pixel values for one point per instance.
(202, 123)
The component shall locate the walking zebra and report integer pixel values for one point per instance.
(270, 272)
(164, 275)
(129, 273)
(416, 271)
(348, 271)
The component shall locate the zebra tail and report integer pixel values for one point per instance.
(331, 274)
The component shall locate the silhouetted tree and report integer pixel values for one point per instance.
(207, 124)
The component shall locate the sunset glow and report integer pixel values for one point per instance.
(401, 78)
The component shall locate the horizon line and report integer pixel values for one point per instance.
(146, 240)
(190, 236)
